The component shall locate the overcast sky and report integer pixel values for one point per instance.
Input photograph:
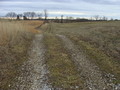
(76, 8)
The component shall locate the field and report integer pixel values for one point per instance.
(100, 41)
(15, 39)
(103, 35)
(60, 56)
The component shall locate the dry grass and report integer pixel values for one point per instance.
(32, 25)
(106, 63)
(11, 31)
(103, 35)
(15, 39)
(100, 40)
(63, 73)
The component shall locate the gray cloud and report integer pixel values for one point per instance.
(89, 7)
(38, 0)
(109, 2)
(88, 1)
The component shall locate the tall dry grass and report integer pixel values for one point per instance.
(12, 33)
(15, 40)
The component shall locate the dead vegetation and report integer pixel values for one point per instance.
(99, 40)
(63, 74)
(103, 35)
(15, 39)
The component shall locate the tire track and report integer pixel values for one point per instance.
(89, 71)
(63, 74)
(37, 59)
(34, 72)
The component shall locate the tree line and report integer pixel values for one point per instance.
(27, 15)
(34, 15)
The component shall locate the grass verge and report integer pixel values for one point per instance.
(63, 72)
(105, 63)
(14, 43)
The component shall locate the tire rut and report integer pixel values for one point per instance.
(34, 74)
(37, 59)
(89, 71)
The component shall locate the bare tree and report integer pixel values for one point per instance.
(70, 18)
(96, 17)
(104, 18)
(24, 18)
(92, 18)
(11, 15)
(20, 16)
(39, 15)
(32, 14)
(27, 14)
(45, 14)
(111, 19)
(56, 19)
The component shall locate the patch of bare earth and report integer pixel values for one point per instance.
(34, 72)
(89, 71)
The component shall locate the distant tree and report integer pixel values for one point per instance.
(32, 15)
(116, 19)
(96, 17)
(39, 15)
(91, 18)
(24, 18)
(111, 19)
(27, 14)
(56, 19)
(20, 15)
(104, 18)
(78, 18)
(18, 18)
(70, 18)
(45, 14)
(100, 18)
(11, 15)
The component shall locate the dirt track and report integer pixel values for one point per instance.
(37, 59)
(89, 71)
(34, 73)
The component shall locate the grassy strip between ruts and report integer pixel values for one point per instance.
(106, 63)
(63, 72)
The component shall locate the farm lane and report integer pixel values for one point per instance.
(35, 73)
(89, 71)
(37, 58)
(33, 76)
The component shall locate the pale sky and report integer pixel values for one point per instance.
(75, 8)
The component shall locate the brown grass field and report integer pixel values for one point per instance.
(99, 40)
(15, 39)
